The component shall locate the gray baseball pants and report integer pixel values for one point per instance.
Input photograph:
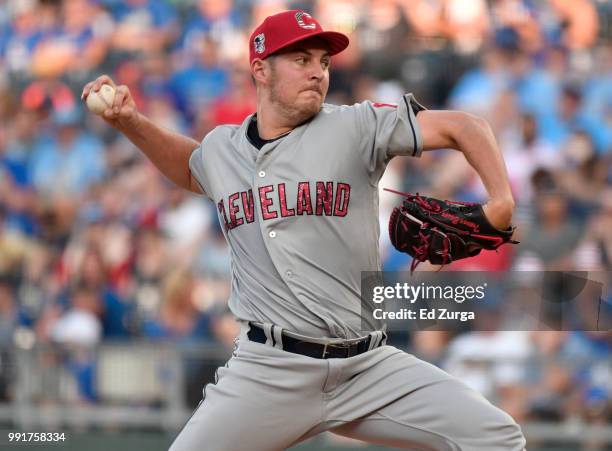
(267, 399)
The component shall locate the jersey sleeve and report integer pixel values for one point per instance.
(388, 130)
(197, 168)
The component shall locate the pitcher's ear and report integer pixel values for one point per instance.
(259, 71)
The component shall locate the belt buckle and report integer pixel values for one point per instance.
(324, 356)
(326, 346)
(346, 348)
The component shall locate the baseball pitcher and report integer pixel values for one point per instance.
(296, 189)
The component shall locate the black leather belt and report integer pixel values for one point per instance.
(315, 350)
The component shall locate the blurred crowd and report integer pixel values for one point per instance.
(543, 376)
(95, 244)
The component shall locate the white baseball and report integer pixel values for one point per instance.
(99, 101)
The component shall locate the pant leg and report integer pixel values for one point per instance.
(264, 400)
(438, 413)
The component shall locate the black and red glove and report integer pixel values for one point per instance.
(442, 231)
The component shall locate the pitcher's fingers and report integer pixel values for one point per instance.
(121, 96)
(103, 80)
(86, 90)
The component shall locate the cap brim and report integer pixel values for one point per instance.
(336, 42)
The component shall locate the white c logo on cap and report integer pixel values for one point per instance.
(300, 16)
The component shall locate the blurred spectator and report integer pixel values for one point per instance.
(465, 22)
(68, 161)
(584, 176)
(79, 330)
(44, 96)
(593, 384)
(573, 384)
(424, 17)
(576, 23)
(554, 234)
(492, 363)
(77, 43)
(478, 90)
(516, 25)
(36, 287)
(214, 256)
(88, 269)
(20, 36)
(539, 83)
(150, 265)
(179, 318)
(14, 247)
(15, 145)
(595, 252)
(218, 20)
(597, 101)
(195, 87)
(236, 103)
(142, 26)
(382, 31)
(9, 322)
(8, 313)
(80, 324)
(185, 223)
(19, 200)
(161, 110)
(524, 153)
(556, 126)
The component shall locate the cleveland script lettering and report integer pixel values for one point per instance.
(317, 198)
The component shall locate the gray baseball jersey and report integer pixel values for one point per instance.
(300, 215)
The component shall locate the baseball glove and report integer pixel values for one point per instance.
(442, 231)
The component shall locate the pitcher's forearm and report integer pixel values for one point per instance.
(478, 144)
(472, 136)
(168, 151)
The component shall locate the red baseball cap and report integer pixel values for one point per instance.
(283, 29)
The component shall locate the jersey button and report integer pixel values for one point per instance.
(262, 174)
(272, 234)
(289, 273)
